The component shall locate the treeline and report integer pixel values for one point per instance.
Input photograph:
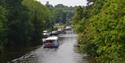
(22, 23)
(61, 13)
(101, 29)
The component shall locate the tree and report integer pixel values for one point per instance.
(39, 16)
(60, 13)
(102, 37)
(2, 26)
(17, 20)
(24, 22)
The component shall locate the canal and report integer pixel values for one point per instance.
(66, 53)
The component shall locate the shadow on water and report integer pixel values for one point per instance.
(7, 55)
(64, 54)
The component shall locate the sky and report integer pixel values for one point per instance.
(66, 2)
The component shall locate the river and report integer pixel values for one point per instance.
(66, 53)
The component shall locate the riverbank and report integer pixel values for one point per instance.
(66, 53)
(9, 54)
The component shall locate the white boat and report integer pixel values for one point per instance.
(51, 42)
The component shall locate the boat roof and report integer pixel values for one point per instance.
(52, 38)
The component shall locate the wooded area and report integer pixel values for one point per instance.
(100, 26)
(101, 29)
(23, 21)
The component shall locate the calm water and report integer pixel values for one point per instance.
(64, 54)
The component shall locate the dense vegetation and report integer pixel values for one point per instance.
(60, 13)
(21, 23)
(101, 29)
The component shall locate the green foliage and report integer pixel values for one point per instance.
(18, 24)
(2, 26)
(103, 34)
(22, 22)
(59, 26)
(39, 16)
(61, 13)
(79, 19)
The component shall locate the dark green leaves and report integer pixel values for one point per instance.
(103, 29)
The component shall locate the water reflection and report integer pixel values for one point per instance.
(64, 54)
(8, 55)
